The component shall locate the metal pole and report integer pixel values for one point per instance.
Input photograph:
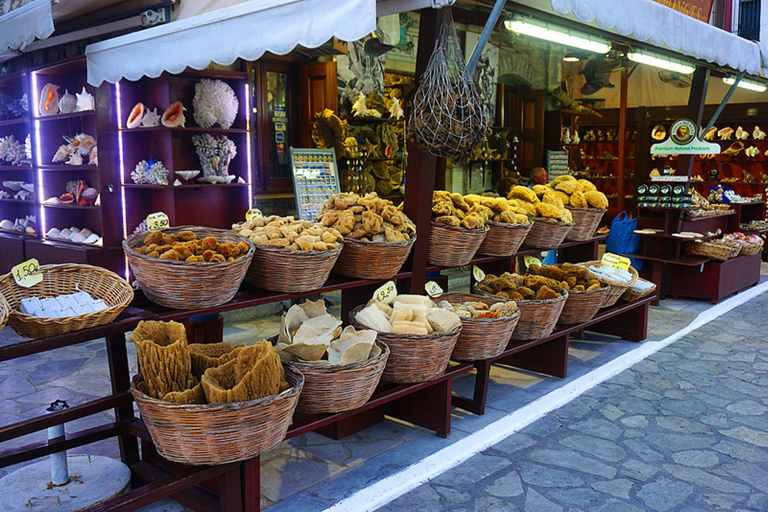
(485, 35)
(59, 469)
(724, 102)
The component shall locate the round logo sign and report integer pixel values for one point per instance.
(682, 132)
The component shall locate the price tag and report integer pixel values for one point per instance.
(157, 221)
(478, 273)
(530, 260)
(613, 260)
(386, 293)
(253, 213)
(27, 274)
(433, 289)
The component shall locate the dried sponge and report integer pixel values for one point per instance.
(548, 211)
(569, 187)
(524, 193)
(578, 200)
(195, 395)
(588, 185)
(211, 355)
(596, 200)
(163, 357)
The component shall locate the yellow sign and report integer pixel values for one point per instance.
(27, 274)
(433, 289)
(478, 273)
(613, 260)
(158, 221)
(386, 293)
(253, 213)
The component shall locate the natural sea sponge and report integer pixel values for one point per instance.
(524, 193)
(578, 200)
(545, 293)
(551, 198)
(163, 357)
(448, 219)
(588, 185)
(256, 372)
(540, 190)
(211, 355)
(566, 216)
(547, 211)
(195, 395)
(569, 187)
(596, 200)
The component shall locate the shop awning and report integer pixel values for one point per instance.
(653, 23)
(246, 30)
(24, 24)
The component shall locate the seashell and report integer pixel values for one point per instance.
(53, 233)
(49, 100)
(86, 232)
(136, 116)
(67, 103)
(89, 195)
(65, 234)
(30, 230)
(176, 183)
(173, 116)
(52, 200)
(658, 132)
(734, 149)
(92, 238)
(67, 198)
(725, 133)
(6, 224)
(741, 134)
(710, 135)
(93, 158)
(79, 190)
(85, 143)
(78, 237)
(29, 187)
(85, 101)
(75, 159)
(151, 118)
(73, 229)
(61, 154)
(757, 133)
(752, 151)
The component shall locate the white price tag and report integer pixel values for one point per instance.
(613, 260)
(386, 293)
(157, 221)
(478, 273)
(27, 274)
(253, 213)
(433, 289)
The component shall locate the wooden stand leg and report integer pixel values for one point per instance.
(205, 331)
(120, 380)
(656, 273)
(250, 483)
(429, 408)
(631, 325)
(550, 358)
(476, 404)
(352, 424)
(230, 491)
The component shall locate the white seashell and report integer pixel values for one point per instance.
(52, 200)
(85, 101)
(53, 233)
(87, 232)
(741, 134)
(74, 229)
(240, 179)
(79, 237)
(92, 239)
(61, 154)
(65, 233)
(75, 159)
(50, 96)
(6, 224)
(93, 158)
(86, 143)
(67, 103)
(358, 108)
(758, 134)
(176, 183)
(151, 118)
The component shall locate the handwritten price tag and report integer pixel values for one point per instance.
(613, 260)
(386, 293)
(253, 213)
(27, 274)
(478, 273)
(530, 260)
(158, 221)
(433, 289)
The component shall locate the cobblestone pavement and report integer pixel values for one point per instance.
(685, 429)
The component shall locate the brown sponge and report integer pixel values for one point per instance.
(190, 396)
(163, 357)
(211, 355)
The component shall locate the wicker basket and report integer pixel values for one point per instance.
(750, 249)
(208, 434)
(720, 250)
(585, 222)
(538, 318)
(503, 239)
(372, 260)
(5, 310)
(546, 234)
(62, 279)
(282, 270)
(332, 389)
(453, 246)
(414, 358)
(583, 306)
(481, 338)
(632, 295)
(183, 285)
(617, 287)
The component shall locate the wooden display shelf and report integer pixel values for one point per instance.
(71, 206)
(16, 233)
(707, 217)
(66, 168)
(716, 280)
(19, 201)
(22, 167)
(71, 115)
(171, 187)
(13, 122)
(684, 260)
(188, 129)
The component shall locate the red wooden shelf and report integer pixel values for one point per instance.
(71, 206)
(22, 167)
(22, 201)
(11, 122)
(65, 167)
(190, 129)
(171, 187)
(71, 115)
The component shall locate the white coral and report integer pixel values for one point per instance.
(214, 101)
(11, 150)
(150, 174)
(358, 108)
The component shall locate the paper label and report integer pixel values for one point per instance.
(478, 273)
(613, 260)
(27, 274)
(530, 260)
(253, 213)
(433, 289)
(386, 293)
(158, 221)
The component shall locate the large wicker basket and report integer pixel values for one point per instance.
(183, 285)
(617, 287)
(283, 270)
(538, 318)
(5, 310)
(372, 260)
(632, 295)
(63, 279)
(546, 234)
(585, 222)
(503, 239)
(337, 388)
(750, 249)
(453, 246)
(208, 434)
(414, 358)
(719, 250)
(481, 338)
(583, 306)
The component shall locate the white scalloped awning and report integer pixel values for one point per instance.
(246, 30)
(23, 25)
(653, 23)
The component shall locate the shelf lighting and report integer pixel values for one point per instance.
(746, 84)
(555, 34)
(248, 144)
(662, 62)
(121, 157)
(38, 156)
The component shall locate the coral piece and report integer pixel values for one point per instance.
(396, 110)
(215, 153)
(136, 116)
(85, 101)
(151, 172)
(359, 109)
(214, 102)
(67, 103)
(11, 150)
(49, 100)
(173, 116)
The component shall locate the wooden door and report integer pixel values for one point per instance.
(529, 120)
(317, 91)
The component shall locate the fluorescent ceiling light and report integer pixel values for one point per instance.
(661, 62)
(560, 35)
(746, 84)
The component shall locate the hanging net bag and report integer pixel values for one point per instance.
(447, 118)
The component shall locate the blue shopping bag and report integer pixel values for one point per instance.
(622, 240)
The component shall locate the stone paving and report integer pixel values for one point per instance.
(685, 429)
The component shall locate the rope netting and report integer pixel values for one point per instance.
(447, 118)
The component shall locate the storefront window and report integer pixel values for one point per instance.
(278, 108)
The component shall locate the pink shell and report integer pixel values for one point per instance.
(90, 194)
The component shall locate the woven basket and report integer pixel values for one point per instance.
(5, 310)
(722, 250)
(750, 249)
(585, 222)
(480, 338)
(632, 295)
(414, 358)
(538, 318)
(583, 306)
(503, 239)
(332, 389)
(183, 285)
(208, 434)
(372, 260)
(63, 279)
(546, 234)
(282, 270)
(617, 287)
(453, 246)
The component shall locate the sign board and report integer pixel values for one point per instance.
(613, 260)
(557, 164)
(27, 274)
(253, 213)
(684, 140)
(386, 293)
(157, 221)
(699, 9)
(315, 179)
(478, 273)
(433, 289)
